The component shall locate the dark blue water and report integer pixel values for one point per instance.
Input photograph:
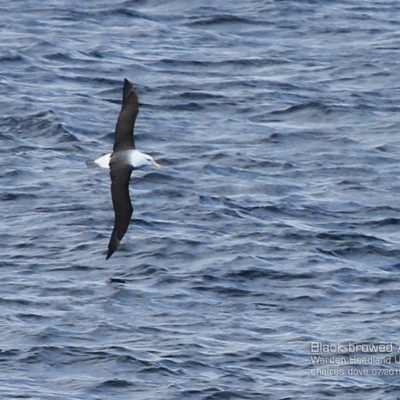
(273, 228)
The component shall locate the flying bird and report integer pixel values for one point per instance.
(121, 162)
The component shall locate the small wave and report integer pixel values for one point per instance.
(114, 384)
(40, 128)
(13, 196)
(11, 57)
(221, 19)
(305, 107)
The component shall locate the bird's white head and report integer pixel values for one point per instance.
(140, 160)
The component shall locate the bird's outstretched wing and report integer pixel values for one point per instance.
(123, 138)
(123, 209)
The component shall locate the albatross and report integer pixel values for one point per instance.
(121, 162)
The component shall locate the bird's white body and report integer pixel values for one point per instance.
(134, 157)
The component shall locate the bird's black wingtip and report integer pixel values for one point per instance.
(110, 252)
(112, 246)
(128, 93)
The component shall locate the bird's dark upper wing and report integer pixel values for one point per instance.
(123, 209)
(123, 138)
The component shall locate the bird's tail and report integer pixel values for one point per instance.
(102, 161)
(90, 163)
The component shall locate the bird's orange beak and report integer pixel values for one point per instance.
(157, 165)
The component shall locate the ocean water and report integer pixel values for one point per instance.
(263, 261)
